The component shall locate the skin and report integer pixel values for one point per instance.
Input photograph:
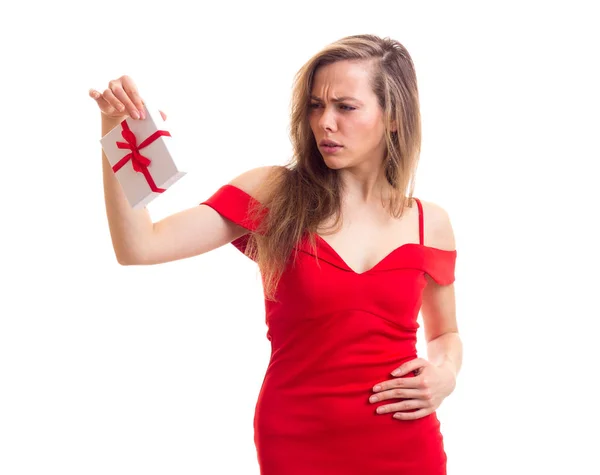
(358, 125)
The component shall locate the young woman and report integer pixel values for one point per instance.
(348, 259)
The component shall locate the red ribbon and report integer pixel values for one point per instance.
(138, 161)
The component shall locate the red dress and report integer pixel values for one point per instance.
(334, 334)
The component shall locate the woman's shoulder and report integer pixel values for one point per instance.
(255, 180)
(437, 226)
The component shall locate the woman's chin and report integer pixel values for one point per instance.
(333, 162)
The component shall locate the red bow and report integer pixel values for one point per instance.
(138, 161)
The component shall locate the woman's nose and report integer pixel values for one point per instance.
(327, 120)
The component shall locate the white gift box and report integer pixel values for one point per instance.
(141, 154)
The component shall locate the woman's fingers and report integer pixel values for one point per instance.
(122, 99)
(132, 95)
(106, 107)
(411, 416)
(403, 406)
(112, 101)
(99, 99)
(396, 394)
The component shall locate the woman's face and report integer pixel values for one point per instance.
(343, 108)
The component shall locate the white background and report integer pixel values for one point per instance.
(117, 370)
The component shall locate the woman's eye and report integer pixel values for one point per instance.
(344, 107)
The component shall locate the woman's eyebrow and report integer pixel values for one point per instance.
(337, 99)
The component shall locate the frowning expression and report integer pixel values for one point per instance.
(345, 111)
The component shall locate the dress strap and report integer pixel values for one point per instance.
(421, 232)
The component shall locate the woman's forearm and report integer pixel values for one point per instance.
(130, 229)
(446, 350)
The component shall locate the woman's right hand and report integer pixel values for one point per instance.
(121, 99)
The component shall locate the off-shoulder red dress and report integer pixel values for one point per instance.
(334, 334)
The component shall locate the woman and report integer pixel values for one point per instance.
(341, 306)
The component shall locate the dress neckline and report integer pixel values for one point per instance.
(344, 264)
(406, 245)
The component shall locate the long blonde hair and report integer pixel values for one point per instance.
(305, 192)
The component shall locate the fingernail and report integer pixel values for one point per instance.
(142, 114)
(135, 115)
(377, 388)
(373, 399)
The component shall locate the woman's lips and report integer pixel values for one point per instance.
(331, 149)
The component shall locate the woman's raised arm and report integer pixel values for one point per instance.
(135, 238)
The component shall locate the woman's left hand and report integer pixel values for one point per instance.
(423, 394)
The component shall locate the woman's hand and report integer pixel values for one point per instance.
(121, 99)
(423, 394)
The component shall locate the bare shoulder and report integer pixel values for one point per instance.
(437, 226)
(252, 181)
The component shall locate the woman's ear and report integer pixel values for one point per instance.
(393, 127)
